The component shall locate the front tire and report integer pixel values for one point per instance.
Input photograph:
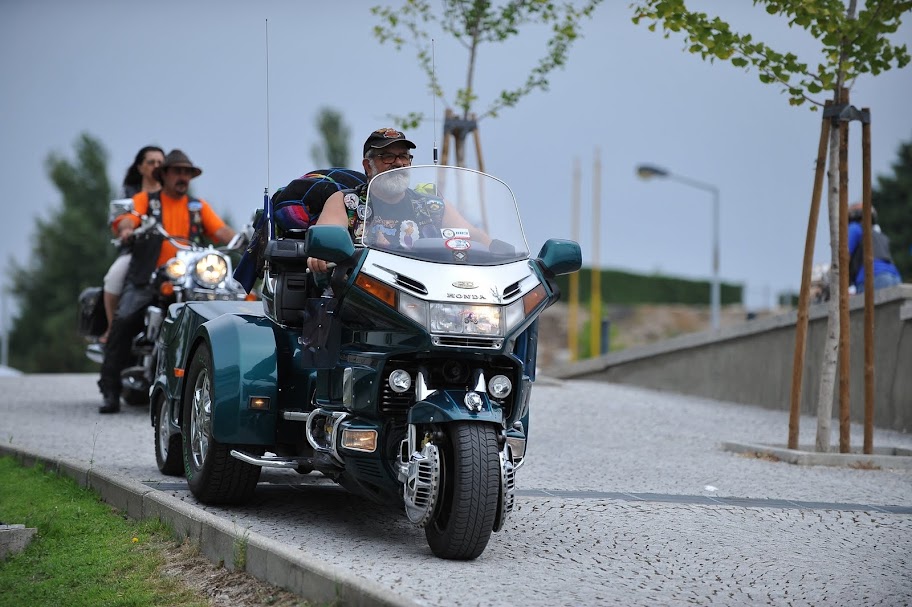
(168, 447)
(213, 475)
(464, 519)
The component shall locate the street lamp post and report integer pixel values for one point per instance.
(647, 171)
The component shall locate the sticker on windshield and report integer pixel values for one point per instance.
(458, 244)
(408, 232)
(455, 233)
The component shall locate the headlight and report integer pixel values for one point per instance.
(175, 268)
(465, 319)
(211, 269)
(414, 308)
(500, 386)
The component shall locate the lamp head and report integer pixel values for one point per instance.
(647, 171)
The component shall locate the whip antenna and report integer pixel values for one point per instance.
(267, 208)
(267, 105)
(434, 94)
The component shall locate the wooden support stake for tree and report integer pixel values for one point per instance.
(801, 325)
(573, 321)
(844, 353)
(477, 138)
(595, 292)
(445, 152)
(868, 247)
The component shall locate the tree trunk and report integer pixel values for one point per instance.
(831, 345)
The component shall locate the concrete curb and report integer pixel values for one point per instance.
(883, 458)
(222, 542)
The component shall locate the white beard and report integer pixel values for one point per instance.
(390, 187)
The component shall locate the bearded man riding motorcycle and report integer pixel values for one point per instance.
(182, 217)
(393, 218)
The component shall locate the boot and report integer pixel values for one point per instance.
(111, 404)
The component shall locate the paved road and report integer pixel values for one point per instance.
(626, 498)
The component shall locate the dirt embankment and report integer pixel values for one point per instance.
(632, 325)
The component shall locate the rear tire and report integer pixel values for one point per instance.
(168, 447)
(213, 475)
(464, 519)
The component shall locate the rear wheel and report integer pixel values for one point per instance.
(168, 446)
(464, 518)
(213, 475)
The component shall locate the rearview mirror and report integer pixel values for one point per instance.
(561, 256)
(330, 243)
(121, 206)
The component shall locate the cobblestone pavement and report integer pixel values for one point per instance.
(575, 546)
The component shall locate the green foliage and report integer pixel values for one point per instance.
(852, 45)
(335, 134)
(892, 197)
(475, 22)
(620, 287)
(71, 251)
(83, 553)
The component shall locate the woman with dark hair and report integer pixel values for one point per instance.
(140, 177)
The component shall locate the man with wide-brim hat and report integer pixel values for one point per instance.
(176, 158)
(182, 217)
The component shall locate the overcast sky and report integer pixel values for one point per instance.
(193, 75)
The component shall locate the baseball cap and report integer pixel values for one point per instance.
(384, 137)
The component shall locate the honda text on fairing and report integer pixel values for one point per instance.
(405, 377)
(195, 273)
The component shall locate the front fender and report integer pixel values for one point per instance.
(244, 365)
(448, 406)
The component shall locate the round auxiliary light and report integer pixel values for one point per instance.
(473, 401)
(500, 386)
(400, 381)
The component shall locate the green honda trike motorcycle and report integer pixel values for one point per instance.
(404, 376)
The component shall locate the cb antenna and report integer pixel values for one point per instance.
(267, 208)
(434, 94)
(267, 105)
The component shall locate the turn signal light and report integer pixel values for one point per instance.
(533, 298)
(259, 403)
(381, 291)
(166, 289)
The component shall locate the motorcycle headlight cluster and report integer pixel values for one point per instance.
(210, 270)
(175, 268)
(469, 319)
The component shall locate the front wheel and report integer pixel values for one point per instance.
(213, 475)
(464, 518)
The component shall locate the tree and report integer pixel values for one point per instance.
(853, 43)
(472, 23)
(71, 251)
(892, 197)
(335, 133)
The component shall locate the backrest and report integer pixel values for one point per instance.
(298, 205)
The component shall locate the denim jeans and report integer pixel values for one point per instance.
(882, 281)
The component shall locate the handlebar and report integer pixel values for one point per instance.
(149, 224)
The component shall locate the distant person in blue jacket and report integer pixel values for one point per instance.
(885, 272)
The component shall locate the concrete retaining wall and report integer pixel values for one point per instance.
(751, 363)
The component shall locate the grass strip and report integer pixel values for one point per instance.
(84, 552)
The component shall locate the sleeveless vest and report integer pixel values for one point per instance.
(427, 212)
(147, 247)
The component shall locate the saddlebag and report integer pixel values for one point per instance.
(92, 319)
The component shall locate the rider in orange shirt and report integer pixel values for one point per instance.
(182, 217)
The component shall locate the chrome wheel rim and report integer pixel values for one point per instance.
(164, 428)
(200, 411)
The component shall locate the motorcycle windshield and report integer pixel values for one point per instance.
(442, 214)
